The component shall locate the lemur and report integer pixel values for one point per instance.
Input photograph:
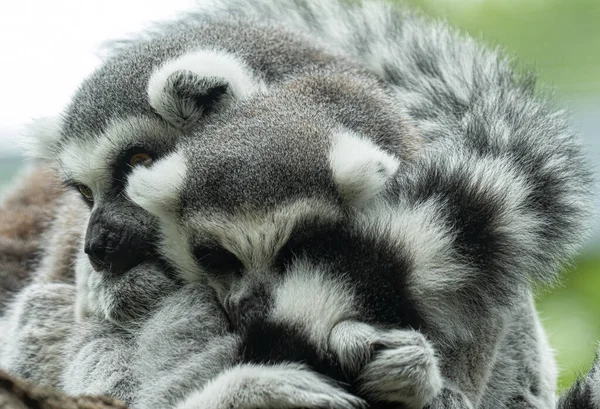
(94, 149)
(334, 94)
(150, 92)
(284, 204)
(432, 121)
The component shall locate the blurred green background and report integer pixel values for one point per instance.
(561, 38)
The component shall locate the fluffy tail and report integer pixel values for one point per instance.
(585, 392)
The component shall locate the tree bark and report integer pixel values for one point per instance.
(17, 393)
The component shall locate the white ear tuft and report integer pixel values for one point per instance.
(40, 137)
(156, 189)
(360, 168)
(183, 90)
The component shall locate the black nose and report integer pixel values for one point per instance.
(246, 309)
(110, 251)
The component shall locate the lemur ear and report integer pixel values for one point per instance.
(40, 138)
(182, 91)
(360, 168)
(157, 188)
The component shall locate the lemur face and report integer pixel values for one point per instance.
(104, 135)
(268, 176)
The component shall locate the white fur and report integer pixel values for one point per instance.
(352, 343)
(205, 63)
(547, 364)
(85, 302)
(406, 369)
(270, 387)
(313, 301)
(39, 136)
(360, 168)
(156, 189)
(88, 158)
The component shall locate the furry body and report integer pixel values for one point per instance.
(180, 356)
(439, 109)
(91, 147)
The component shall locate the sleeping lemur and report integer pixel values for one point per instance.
(337, 95)
(285, 207)
(150, 92)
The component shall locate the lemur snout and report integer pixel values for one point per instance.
(246, 307)
(113, 246)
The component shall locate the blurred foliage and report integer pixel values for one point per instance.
(561, 40)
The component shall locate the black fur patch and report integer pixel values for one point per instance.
(376, 270)
(269, 343)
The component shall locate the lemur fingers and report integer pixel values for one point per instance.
(284, 386)
(392, 365)
(404, 369)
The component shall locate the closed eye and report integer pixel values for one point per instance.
(218, 260)
(308, 237)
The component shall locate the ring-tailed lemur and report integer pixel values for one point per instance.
(132, 110)
(145, 96)
(118, 142)
(306, 211)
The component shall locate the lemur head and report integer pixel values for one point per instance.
(127, 114)
(270, 173)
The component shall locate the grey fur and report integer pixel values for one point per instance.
(179, 355)
(36, 326)
(111, 113)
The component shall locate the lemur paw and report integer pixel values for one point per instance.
(286, 386)
(390, 365)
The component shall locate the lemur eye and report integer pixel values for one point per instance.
(86, 192)
(140, 159)
(218, 260)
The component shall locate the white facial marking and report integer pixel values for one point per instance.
(253, 236)
(156, 189)
(88, 159)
